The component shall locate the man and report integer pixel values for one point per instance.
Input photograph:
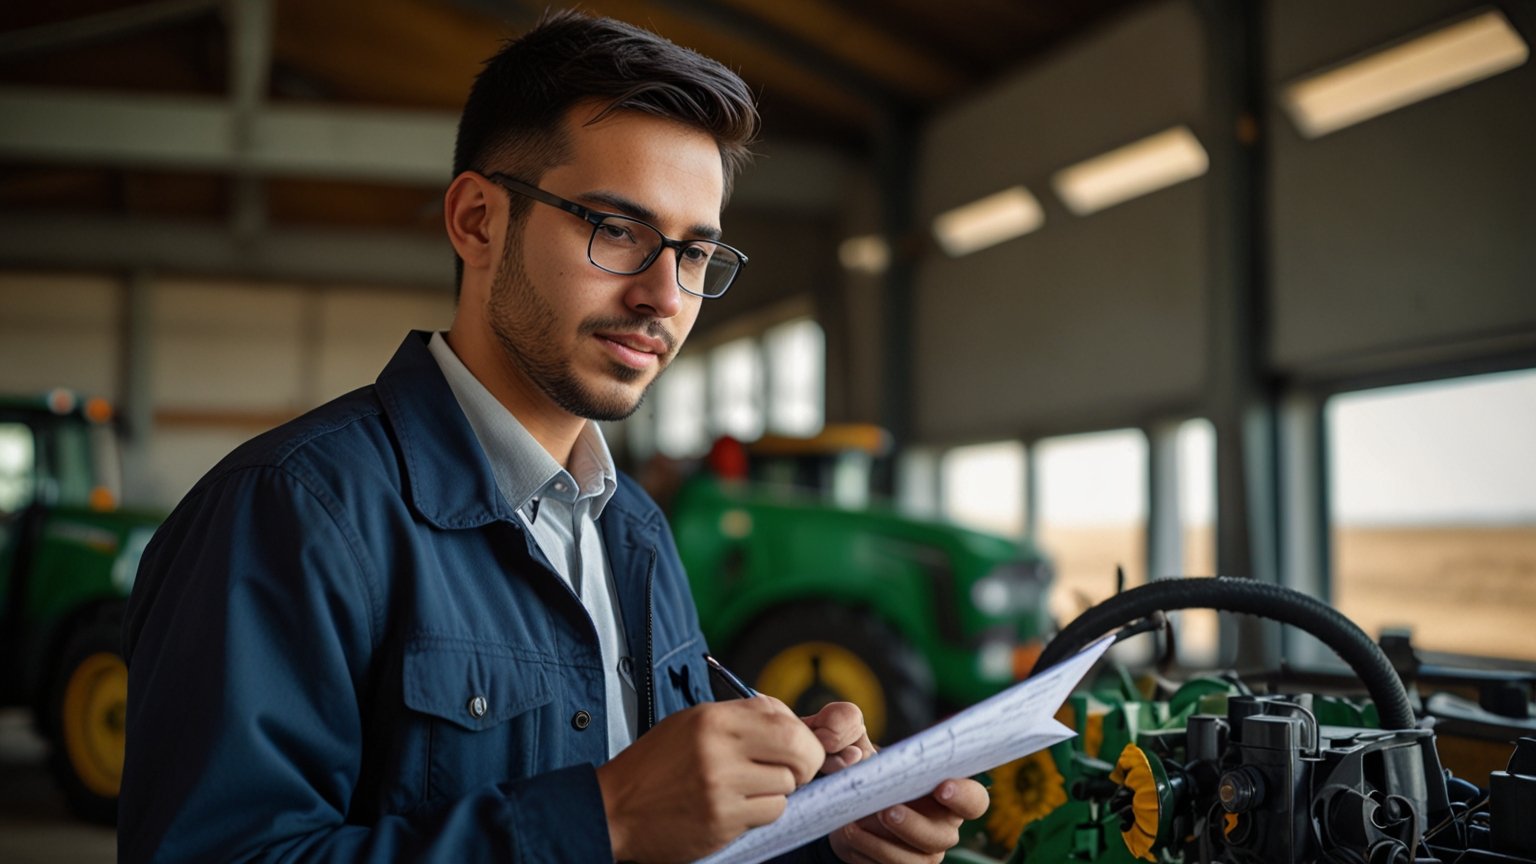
(429, 621)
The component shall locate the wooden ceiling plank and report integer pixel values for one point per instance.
(100, 27)
(403, 53)
(856, 40)
(769, 69)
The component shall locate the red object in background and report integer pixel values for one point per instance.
(728, 458)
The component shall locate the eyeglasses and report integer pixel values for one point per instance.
(626, 246)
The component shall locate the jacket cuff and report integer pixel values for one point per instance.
(559, 817)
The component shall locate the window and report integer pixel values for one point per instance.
(1197, 631)
(982, 487)
(736, 389)
(797, 371)
(1432, 492)
(1093, 514)
(774, 383)
(72, 463)
(917, 483)
(18, 467)
(680, 398)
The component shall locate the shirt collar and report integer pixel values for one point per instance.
(523, 468)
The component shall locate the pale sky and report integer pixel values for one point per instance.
(1447, 451)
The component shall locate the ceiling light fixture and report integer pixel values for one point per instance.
(988, 221)
(1136, 169)
(1451, 57)
(866, 254)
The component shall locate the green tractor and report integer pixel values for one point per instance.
(813, 595)
(68, 556)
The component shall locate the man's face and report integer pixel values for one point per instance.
(593, 342)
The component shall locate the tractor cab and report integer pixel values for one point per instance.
(815, 591)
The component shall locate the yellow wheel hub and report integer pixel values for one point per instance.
(95, 712)
(789, 674)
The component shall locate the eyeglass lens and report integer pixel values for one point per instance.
(624, 246)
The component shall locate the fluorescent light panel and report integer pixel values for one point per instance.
(867, 254)
(988, 221)
(1452, 57)
(1131, 171)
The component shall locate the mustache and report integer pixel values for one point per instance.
(649, 326)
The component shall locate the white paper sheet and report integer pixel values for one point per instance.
(1008, 726)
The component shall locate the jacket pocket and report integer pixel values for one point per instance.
(475, 707)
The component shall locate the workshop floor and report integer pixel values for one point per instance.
(35, 827)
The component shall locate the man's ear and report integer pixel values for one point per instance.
(467, 215)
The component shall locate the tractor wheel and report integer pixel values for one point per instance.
(808, 656)
(89, 708)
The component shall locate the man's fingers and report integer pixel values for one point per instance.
(920, 830)
(757, 779)
(927, 833)
(868, 840)
(838, 725)
(838, 761)
(772, 734)
(762, 810)
(964, 797)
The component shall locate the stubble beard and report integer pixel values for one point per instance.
(525, 325)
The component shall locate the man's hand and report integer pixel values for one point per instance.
(703, 776)
(840, 729)
(917, 832)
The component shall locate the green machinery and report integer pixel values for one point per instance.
(812, 594)
(1213, 771)
(68, 556)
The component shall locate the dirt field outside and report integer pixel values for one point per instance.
(1468, 590)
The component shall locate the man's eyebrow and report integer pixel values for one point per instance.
(624, 206)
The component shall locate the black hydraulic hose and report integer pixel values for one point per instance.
(1246, 596)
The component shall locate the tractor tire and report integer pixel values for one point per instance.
(809, 655)
(88, 706)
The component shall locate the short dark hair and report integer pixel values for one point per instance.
(513, 119)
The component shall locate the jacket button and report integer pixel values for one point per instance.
(581, 720)
(477, 707)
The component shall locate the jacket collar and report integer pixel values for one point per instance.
(448, 478)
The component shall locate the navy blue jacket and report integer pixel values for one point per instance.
(342, 646)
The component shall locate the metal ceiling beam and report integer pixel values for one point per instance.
(94, 29)
(120, 130)
(116, 130)
(250, 67)
(37, 241)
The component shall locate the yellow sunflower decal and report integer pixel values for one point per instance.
(1134, 771)
(1022, 791)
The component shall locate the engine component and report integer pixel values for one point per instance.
(1213, 772)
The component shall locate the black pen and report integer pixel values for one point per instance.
(738, 686)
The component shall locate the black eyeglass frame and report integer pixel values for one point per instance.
(598, 217)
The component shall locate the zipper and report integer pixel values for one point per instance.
(650, 666)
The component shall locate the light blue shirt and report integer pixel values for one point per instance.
(559, 505)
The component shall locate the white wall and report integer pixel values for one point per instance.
(1409, 237)
(225, 360)
(1087, 314)
(59, 331)
(1402, 243)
